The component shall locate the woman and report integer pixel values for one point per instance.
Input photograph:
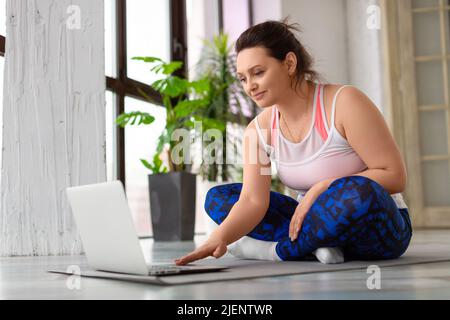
(327, 141)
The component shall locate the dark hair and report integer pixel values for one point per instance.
(279, 40)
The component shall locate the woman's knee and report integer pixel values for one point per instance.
(220, 194)
(355, 187)
(222, 190)
(345, 197)
(369, 192)
(354, 182)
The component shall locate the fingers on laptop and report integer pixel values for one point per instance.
(184, 260)
(191, 257)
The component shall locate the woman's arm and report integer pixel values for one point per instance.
(251, 207)
(369, 135)
(254, 198)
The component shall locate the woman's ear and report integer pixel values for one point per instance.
(291, 62)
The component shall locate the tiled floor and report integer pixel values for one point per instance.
(26, 278)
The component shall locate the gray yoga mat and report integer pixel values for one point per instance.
(248, 269)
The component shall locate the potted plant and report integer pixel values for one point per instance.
(172, 188)
(227, 98)
(225, 95)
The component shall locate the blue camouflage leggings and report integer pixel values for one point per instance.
(355, 213)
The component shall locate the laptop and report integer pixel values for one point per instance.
(108, 234)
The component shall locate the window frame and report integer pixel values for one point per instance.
(2, 45)
(251, 21)
(250, 14)
(123, 86)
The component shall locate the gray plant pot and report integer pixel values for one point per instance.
(172, 205)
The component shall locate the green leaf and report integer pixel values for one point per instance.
(171, 67)
(122, 120)
(158, 164)
(188, 107)
(171, 86)
(214, 124)
(156, 160)
(157, 68)
(125, 118)
(161, 66)
(148, 59)
(163, 139)
(221, 43)
(201, 86)
(161, 143)
(155, 167)
(188, 124)
(147, 165)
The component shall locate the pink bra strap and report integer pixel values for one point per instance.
(319, 124)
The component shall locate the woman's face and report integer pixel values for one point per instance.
(263, 78)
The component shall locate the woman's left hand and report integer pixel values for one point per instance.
(214, 246)
(302, 209)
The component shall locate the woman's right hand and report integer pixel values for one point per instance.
(215, 246)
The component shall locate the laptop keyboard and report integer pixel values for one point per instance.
(164, 269)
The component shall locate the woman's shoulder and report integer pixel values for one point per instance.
(346, 96)
(331, 89)
(262, 120)
(344, 90)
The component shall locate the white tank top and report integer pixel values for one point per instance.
(323, 154)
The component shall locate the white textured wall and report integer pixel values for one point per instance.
(54, 131)
(335, 32)
(324, 34)
(266, 10)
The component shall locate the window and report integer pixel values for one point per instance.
(237, 16)
(137, 28)
(148, 33)
(110, 117)
(119, 79)
(140, 143)
(203, 22)
(140, 28)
